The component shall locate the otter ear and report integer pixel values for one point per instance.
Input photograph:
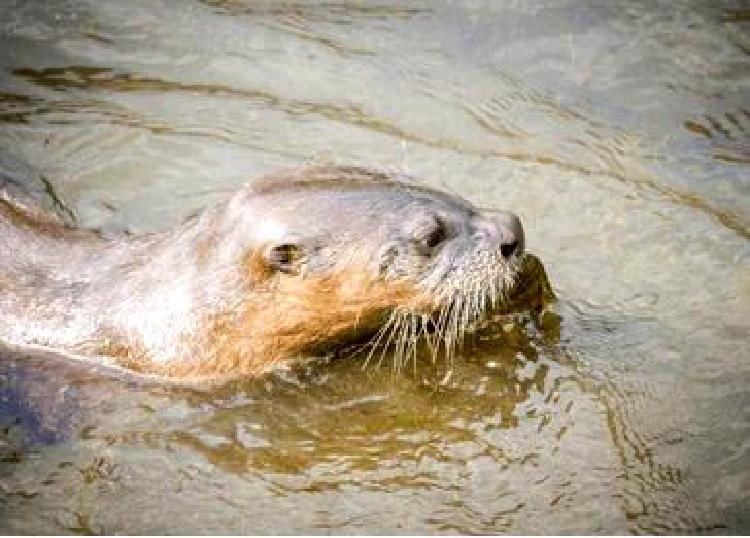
(284, 257)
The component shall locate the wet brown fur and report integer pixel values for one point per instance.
(283, 317)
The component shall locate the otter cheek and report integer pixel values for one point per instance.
(257, 270)
(355, 287)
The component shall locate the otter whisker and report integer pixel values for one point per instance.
(395, 329)
(396, 337)
(460, 322)
(373, 343)
(474, 300)
(407, 338)
(441, 326)
(451, 327)
(413, 339)
(403, 341)
(467, 317)
(442, 321)
(462, 302)
(481, 299)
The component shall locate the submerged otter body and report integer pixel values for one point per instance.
(297, 262)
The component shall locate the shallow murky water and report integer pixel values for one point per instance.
(619, 131)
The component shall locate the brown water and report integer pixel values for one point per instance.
(619, 131)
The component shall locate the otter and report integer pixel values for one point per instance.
(295, 263)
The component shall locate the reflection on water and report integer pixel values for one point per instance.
(618, 132)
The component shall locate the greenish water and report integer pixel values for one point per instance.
(618, 131)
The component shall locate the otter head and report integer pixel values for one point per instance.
(335, 253)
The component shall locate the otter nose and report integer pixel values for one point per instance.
(504, 229)
(508, 249)
(511, 234)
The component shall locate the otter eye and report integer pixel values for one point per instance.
(431, 236)
(284, 257)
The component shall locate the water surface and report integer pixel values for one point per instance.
(619, 132)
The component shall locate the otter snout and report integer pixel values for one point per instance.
(504, 232)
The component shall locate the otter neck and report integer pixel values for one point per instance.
(72, 289)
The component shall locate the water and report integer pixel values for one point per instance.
(618, 131)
